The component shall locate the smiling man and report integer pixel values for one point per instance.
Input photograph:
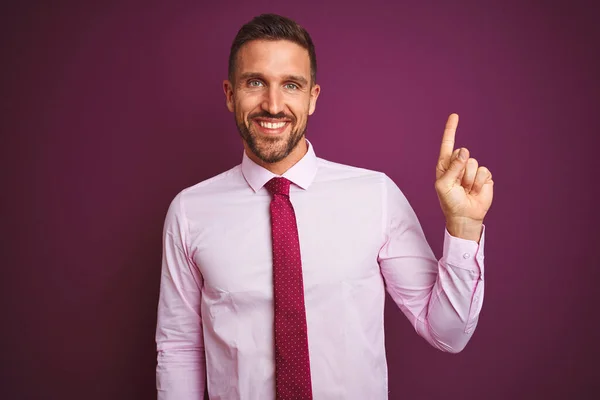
(272, 91)
(274, 273)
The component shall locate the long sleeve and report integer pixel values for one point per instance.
(442, 299)
(180, 371)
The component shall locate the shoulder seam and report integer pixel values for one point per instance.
(211, 180)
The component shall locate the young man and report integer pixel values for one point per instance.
(274, 272)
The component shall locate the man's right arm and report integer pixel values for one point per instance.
(180, 371)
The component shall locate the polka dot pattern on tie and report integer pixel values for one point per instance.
(292, 364)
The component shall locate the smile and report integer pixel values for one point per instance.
(271, 125)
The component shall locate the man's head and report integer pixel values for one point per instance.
(272, 86)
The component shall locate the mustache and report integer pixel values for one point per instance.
(265, 114)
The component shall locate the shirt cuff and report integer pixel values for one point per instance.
(464, 253)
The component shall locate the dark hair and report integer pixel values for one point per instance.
(273, 27)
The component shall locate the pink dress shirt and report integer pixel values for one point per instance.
(359, 237)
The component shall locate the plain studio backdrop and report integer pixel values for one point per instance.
(109, 109)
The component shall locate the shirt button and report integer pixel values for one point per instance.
(469, 331)
(475, 299)
(466, 255)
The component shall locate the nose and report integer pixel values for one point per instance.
(273, 101)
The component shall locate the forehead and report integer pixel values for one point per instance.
(273, 58)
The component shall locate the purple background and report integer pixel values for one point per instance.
(109, 109)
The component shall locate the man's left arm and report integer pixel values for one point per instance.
(441, 298)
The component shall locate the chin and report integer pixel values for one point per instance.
(271, 153)
(269, 149)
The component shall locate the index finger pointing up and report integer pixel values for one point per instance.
(448, 139)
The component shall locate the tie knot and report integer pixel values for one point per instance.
(278, 186)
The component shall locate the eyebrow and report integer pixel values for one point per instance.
(258, 75)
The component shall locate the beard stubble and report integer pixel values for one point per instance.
(266, 148)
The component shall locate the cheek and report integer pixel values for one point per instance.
(301, 113)
(299, 108)
(247, 106)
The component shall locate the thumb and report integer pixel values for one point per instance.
(457, 166)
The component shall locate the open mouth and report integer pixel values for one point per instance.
(271, 127)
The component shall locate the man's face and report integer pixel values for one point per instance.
(271, 97)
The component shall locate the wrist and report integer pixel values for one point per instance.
(465, 228)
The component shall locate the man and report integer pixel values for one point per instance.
(274, 272)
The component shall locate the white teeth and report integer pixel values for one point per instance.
(269, 125)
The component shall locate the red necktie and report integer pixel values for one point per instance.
(292, 365)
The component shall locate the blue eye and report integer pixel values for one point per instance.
(291, 86)
(252, 83)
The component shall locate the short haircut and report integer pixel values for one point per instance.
(273, 27)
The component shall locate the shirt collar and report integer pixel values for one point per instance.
(302, 173)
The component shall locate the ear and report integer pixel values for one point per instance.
(228, 89)
(314, 94)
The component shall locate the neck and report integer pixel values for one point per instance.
(279, 167)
